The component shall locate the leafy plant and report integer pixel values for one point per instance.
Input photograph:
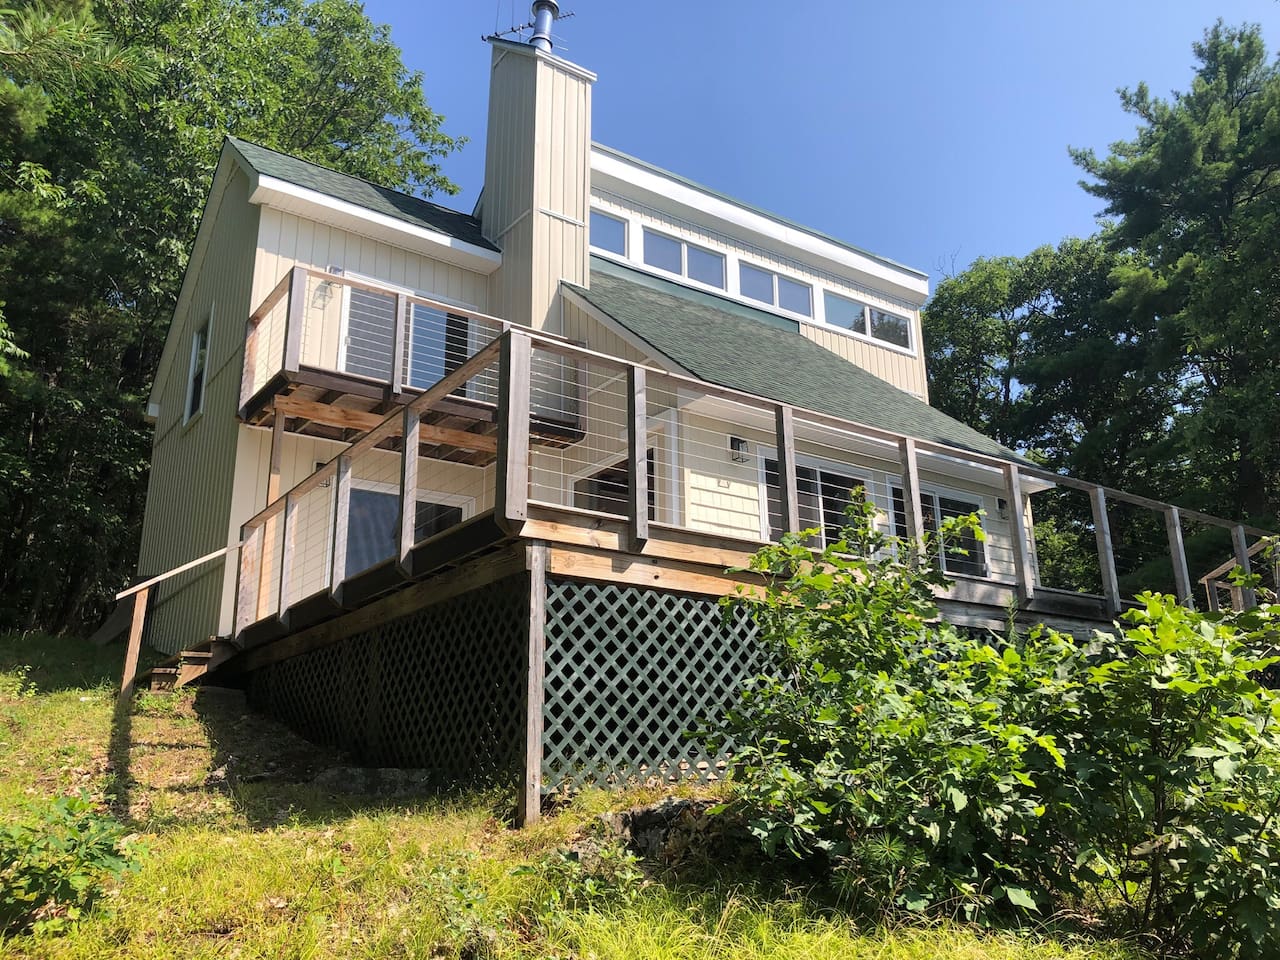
(54, 863)
(929, 769)
(588, 877)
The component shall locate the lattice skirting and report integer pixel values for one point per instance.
(629, 671)
(441, 689)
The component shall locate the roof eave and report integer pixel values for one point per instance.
(312, 204)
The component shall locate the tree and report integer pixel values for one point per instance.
(1197, 195)
(91, 261)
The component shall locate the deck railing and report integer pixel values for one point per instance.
(568, 432)
(320, 321)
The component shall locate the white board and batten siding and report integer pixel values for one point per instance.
(190, 488)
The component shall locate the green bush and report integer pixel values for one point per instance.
(54, 863)
(934, 770)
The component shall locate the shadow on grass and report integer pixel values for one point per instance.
(55, 664)
(271, 771)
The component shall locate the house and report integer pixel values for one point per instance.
(460, 491)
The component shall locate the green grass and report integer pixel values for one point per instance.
(263, 864)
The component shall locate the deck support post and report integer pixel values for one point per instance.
(637, 457)
(1178, 554)
(511, 492)
(294, 320)
(408, 489)
(529, 803)
(1024, 570)
(128, 677)
(341, 515)
(911, 493)
(273, 493)
(1247, 597)
(1106, 553)
(788, 488)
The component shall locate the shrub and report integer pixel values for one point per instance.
(54, 863)
(930, 769)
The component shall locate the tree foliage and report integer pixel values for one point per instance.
(1145, 357)
(102, 182)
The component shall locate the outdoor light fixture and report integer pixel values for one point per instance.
(738, 449)
(1002, 508)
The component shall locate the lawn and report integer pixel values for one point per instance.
(246, 857)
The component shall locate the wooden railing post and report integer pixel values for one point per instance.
(1106, 554)
(1248, 598)
(288, 534)
(400, 335)
(637, 456)
(295, 320)
(512, 493)
(911, 492)
(249, 367)
(341, 519)
(1178, 554)
(788, 486)
(247, 582)
(128, 677)
(1024, 570)
(408, 489)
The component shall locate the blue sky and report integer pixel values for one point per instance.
(928, 132)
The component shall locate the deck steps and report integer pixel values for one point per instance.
(189, 666)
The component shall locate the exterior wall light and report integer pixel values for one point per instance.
(738, 449)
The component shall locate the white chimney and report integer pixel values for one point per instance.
(537, 174)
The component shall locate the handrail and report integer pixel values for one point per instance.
(1231, 564)
(511, 350)
(190, 564)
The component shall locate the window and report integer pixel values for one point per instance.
(196, 374)
(795, 296)
(890, 328)
(824, 496)
(868, 321)
(663, 252)
(768, 287)
(609, 490)
(962, 554)
(373, 524)
(755, 283)
(845, 313)
(608, 233)
(439, 343)
(705, 266)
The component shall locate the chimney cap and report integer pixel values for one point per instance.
(544, 13)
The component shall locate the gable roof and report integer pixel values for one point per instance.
(740, 347)
(361, 193)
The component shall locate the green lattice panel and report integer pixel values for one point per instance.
(628, 671)
(440, 689)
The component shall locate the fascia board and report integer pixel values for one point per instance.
(662, 191)
(291, 198)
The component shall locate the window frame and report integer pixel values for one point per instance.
(774, 281)
(863, 475)
(423, 495)
(938, 493)
(621, 221)
(199, 353)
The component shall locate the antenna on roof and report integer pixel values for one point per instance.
(545, 12)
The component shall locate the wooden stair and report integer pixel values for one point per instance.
(187, 667)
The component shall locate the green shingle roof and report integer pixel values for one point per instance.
(362, 193)
(737, 346)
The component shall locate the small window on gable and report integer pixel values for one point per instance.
(608, 233)
(196, 376)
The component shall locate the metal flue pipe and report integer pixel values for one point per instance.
(544, 14)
